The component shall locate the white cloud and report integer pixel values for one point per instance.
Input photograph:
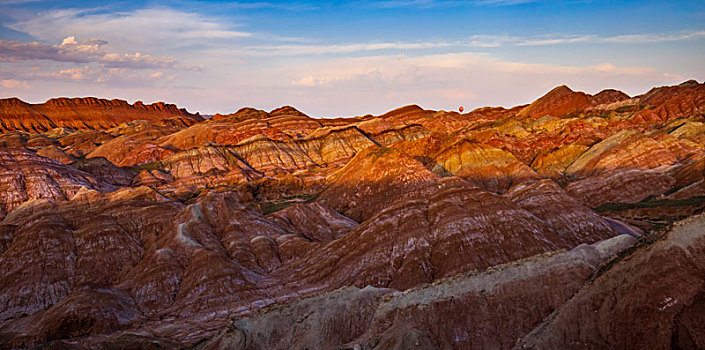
(86, 51)
(68, 51)
(309, 81)
(13, 84)
(136, 60)
(489, 40)
(156, 28)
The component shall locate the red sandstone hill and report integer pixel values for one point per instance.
(549, 225)
(82, 113)
(562, 100)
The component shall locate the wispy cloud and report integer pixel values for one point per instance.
(474, 41)
(336, 49)
(441, 3)
(502, 2)
(292, 6)
(411, 3)
(619, 39)
(489, 40)
(16, 2)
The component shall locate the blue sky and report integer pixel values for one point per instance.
(333, 58)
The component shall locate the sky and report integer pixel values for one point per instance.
(344, 58)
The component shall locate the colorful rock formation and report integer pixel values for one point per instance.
(128, 226)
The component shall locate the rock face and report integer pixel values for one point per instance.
(378, 318)
(626, 149)
(576, 223)
(452, 230)
(626, 186)
(133, 226)
(671, 102)
(315, 221)
(376, 179)
(485, 166)
(26, 176)
(661, 285)
(554, 163)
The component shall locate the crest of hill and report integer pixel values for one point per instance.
(406, 113)
(671, 102)
(253, 113)
(563, 100)
(84, 113)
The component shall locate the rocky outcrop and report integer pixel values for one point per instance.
(271, 156)
(114, 150)
(144, 154)
(625, 186)
(26, 176)
(626, 150)
(124, 151)
(152, 178)
(104, 171)
(483, 165)
(376, 179)
(313, 221)
(267, 153)
(204, 165)
(407, 114)
(57, 154)
(282, 124)
(335, 145)
(554, 163)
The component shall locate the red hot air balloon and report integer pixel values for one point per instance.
(461, 109)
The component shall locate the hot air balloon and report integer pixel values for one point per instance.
(461, 109)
